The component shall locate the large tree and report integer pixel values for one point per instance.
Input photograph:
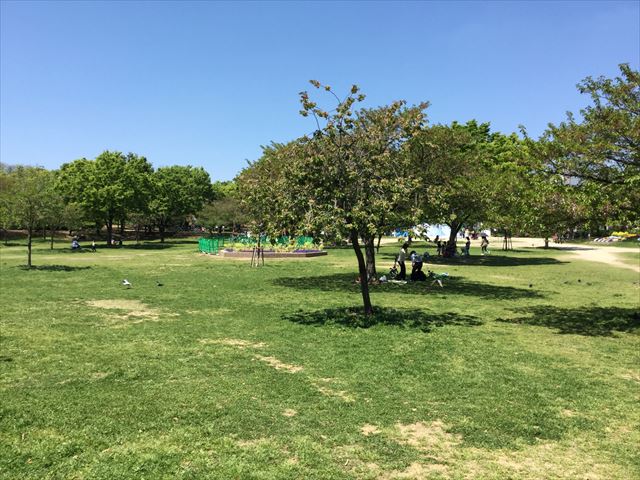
(345, 178)
(603, 148)
(107, 188)
(456, 166)
(178, 191)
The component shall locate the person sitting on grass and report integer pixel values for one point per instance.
(416, 268)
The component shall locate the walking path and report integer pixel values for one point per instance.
(589, 252)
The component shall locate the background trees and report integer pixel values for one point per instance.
(456, 166)
(602, 152)
(107, 188)
(176, 192)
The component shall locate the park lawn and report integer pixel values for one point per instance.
(525, 365)
(632, 258)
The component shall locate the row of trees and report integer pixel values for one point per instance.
(365, 171)
(113, 190)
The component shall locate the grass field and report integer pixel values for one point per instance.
(525, 366)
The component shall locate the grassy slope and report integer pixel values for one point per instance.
(494, 378)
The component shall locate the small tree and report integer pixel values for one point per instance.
(31, 194)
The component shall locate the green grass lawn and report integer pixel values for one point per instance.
(526, 365)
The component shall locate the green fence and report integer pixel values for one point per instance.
(210, 245)
(213, 244)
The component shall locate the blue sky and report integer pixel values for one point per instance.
(207, 83)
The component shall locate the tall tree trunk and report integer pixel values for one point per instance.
(29, 234)
(109, 231)
(362, 268)
(370, 258)
(44, 233)
(52, 232)
(122, 224)
(161, 230)
(451, 244)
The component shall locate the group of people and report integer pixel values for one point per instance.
(417, 260)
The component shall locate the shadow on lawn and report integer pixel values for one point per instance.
(486, 261)
(53, 268)
(452, 286)
(591, 321)
(353, 317)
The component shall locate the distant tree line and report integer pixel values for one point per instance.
(112, 192)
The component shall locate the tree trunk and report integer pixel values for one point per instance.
(451, 244)
(378, 245)
(362, 268)
(52, 232)
(29, 234)
(546, 242)
(370, 257)
(122, 228)
(161, 230)
(44, 233)
(109, 231)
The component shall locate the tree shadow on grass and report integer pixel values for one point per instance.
(353, 317)
(53, 268)
(590, 321)
(344, 282)
(486, 261)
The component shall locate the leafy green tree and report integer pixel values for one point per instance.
(6, 204)
(343, 180)
(456, 165)
(107, 188)
(226, 212)
(604, 148)
(31, 192)
(178, 191)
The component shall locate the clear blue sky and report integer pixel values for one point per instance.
(207, 83)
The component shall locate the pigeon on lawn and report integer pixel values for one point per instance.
(126, 283)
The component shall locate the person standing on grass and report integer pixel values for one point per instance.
(467, 247)
(484, 244)
(93, 245)
(402, 257)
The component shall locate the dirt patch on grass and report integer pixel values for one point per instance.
(330, 392)
(133, 308)
(427, 436)
(278, 365)
(232, 342)
(368, 429)
(289, 413)
(257, 442)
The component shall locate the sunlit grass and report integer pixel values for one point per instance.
(524, 366)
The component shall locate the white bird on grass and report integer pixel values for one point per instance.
(126, 283)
